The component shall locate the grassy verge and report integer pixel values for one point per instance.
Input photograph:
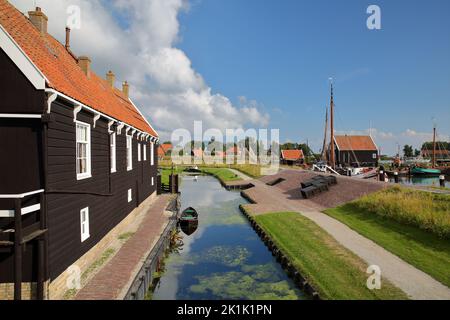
(251, 170)
(424, 250)
(425, 210)
(222, 174)
(334, 271)
(165, 173)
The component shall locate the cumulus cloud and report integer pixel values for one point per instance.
(137, 40)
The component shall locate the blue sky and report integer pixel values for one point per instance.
(281, 54)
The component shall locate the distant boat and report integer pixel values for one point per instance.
(417, 171)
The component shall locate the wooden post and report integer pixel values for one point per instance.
(17, 249)
(434, 147)
(41, 249)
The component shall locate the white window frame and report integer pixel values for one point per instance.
(87, 174)
(129, 153)
(139, 152)
(85, 234)
(153, 181)
(113, 147)
(152, 154)
(145, 151)
(130, 195)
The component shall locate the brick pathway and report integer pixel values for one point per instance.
(113, 280)
(286, 196)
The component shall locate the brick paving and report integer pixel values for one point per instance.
(285, 196)
(115, 277)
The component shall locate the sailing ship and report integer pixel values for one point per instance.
(433, 171)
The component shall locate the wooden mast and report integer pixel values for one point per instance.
(434, 147)
(332, 151)
(324, 148)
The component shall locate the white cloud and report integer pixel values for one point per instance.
(136, 39)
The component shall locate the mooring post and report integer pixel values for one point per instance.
(396, 176)
(381, 176)
(442, 181)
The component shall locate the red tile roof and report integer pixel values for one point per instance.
(292, 154)
(164, 148)
(355, 143)
(63, 73)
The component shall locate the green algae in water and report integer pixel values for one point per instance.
(226, 255)
(254, 282)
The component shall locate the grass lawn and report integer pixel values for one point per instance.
(422, 249)
(165, 173)
(334, 271)
(251, 170)
(222, 174)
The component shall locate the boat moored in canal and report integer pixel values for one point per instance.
(419, 171)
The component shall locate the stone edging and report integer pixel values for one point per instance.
(282, 258)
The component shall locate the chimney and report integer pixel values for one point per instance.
(111, 79)
(85, 65)
(39, 20)
(126, 89)
(67, 38)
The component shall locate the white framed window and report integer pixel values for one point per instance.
(84, 223)
(145, 151)
(112, 143)
(130, 195)
(129, 153)
(153, 181)
(83, 153)
(152, 154)
(374, 156)
(139, 152)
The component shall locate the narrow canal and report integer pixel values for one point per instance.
(223, 258)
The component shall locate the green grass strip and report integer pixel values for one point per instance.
(334, 271)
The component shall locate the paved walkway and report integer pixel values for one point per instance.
(415, 283)
(114, 279)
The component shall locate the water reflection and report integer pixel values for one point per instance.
(224, 258)
(422, 181)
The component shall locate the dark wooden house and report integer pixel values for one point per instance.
(77, 156)
(292, 157)
(355, 151)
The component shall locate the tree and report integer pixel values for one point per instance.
(408, 151)
(416, 153)
(443, 145)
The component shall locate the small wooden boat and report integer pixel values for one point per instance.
(189, 215)
(189, 221)
(193, 169)
(418, 171)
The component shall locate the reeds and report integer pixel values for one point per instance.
(426, 210)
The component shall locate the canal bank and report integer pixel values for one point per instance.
(126, 275)
(285, 197)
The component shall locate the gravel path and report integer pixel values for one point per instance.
(281, 197)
